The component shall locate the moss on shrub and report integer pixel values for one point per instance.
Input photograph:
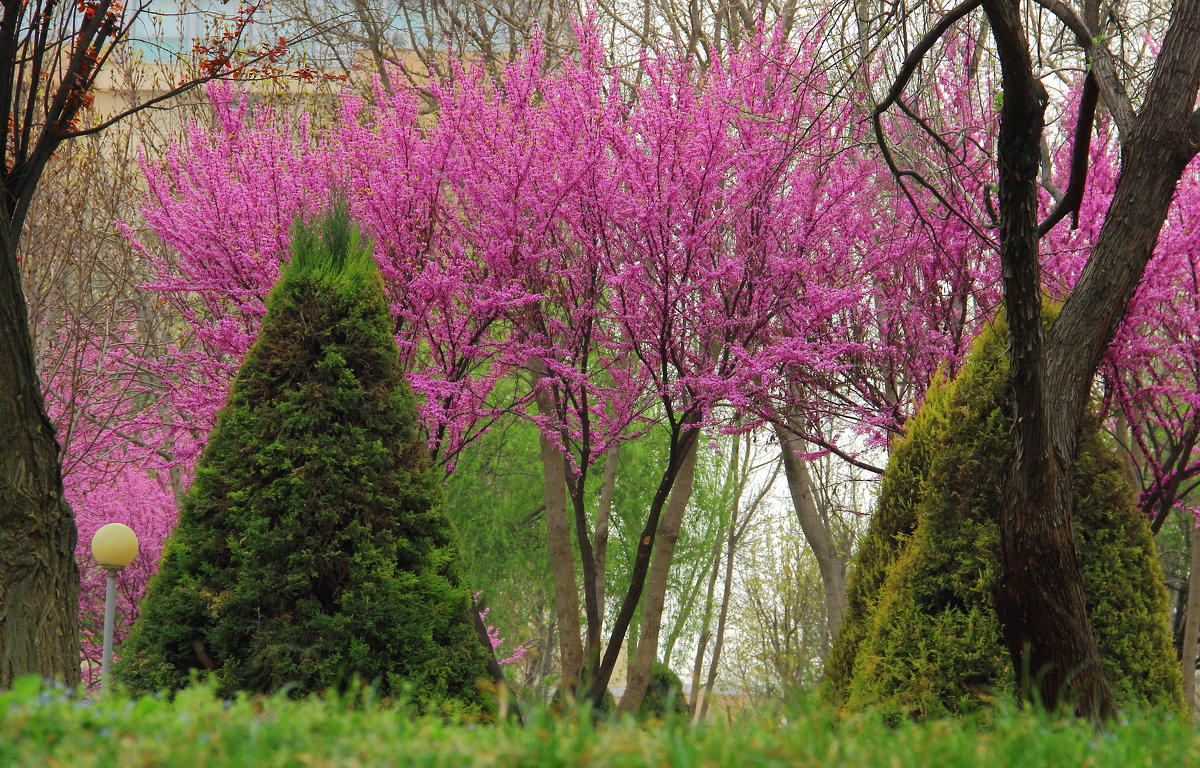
(924, 639)
(312, 547)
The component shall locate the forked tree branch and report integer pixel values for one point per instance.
(1100, 60)
(923, 46)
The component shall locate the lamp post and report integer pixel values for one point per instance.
(114, 546)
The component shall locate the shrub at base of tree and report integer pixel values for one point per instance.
(921, 637)
(664, 694)
(312, 548)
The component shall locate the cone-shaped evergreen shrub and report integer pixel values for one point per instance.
(922, 637)
(895, 517)
(312, 547)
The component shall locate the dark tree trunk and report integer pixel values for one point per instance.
(1039, 595)
(39, 578)
(681, 443)
(656, 584)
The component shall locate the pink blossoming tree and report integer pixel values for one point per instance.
(710, 249)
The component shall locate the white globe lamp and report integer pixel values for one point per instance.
(114, 546)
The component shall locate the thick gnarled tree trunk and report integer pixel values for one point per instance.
(39, 578)
(1039, 595)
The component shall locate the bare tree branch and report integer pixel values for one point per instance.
(1073, 196)
(913, 60)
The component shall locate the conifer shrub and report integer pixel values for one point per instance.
(664, 694)
(312, 548)
(890, 528)
(925, 639)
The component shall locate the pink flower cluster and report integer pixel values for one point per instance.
(497, 641)
(723, 246)
(146, 505)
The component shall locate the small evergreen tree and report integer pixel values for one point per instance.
(922, 637)
(312, 547)
(664, 694)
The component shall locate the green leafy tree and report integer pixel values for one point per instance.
(922, 637)
(779, 611)
(312, 547)
(494, 498)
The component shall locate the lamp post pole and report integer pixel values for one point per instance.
(110, 610)
(114, 546)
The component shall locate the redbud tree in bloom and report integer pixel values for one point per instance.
(704, 250)
(636, 258)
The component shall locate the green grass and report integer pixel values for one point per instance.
(47, 729)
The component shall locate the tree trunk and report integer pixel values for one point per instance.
(829, 562)
(576, 485)
(562, 560)
(1191, 627)
(39, 578)
(682, 439)
(603, 514)
(1039, 592)
(656, 583)
(1179, 616)
(592, 556)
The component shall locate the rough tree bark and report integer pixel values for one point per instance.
(1039, 594)
(50, 56)
(39, 578)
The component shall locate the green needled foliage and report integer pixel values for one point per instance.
(921, 638)
(889, 531)
(312, 548)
